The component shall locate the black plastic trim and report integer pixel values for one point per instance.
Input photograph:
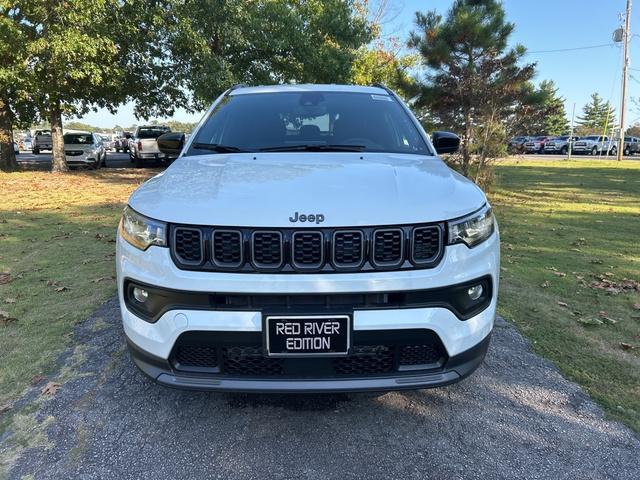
(202, 247)
(213, 253)
(162, 300)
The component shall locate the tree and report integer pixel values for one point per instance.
(541, 112)
(472, 77)
(598, 116)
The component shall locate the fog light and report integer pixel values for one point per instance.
(141, 295)
(475, 292)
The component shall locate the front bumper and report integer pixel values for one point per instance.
(455, 369)
(464, 342)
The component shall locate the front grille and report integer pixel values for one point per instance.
(188, 245)
(289, 250)
(240, 354)
(73, 153)
(308, 250)
(388, 247)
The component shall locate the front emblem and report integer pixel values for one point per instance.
(311, 217)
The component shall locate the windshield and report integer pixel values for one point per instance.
(318, 120)
(78, 139)
(592, 137)
(151, 132)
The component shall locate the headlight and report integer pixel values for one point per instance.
(142, 232)
(473, 229)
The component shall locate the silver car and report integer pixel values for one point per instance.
(84, 149)
(559, 144)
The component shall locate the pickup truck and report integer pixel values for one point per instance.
(41, 141)
(121, 144)
(595, 145)
(143, 146)
(536, 145)
(631, 146)
(560, 144)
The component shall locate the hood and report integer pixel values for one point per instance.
(78, 147)
(347, 189)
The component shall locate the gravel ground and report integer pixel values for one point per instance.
(516, 417)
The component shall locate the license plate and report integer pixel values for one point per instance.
(307, 336)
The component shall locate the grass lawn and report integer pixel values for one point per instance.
(570, 270)
(56, 263)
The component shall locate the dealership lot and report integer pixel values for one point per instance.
(515, 418)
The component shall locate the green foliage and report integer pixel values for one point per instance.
(597, 116)
(381, 64)
(472, 77)
(541, 112)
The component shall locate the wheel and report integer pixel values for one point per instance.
(626, 151)
(564, 150)
(594, 151)
(613, 152)
(36, 151)
(104, 159)
(139, 162)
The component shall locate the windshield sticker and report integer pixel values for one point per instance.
(381, 97)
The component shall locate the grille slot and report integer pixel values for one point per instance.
(388, 247)
(348, 249)
(227, 248)
(366, 360)
(249, 361)
(267, 250)
(421, 354)
(426, 244)
(188, 245)
(196, 356)
(307, 250)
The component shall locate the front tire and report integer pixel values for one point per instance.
(594, 151)
(613, 152)
(564, 150)
(626, 152)
(36, 151)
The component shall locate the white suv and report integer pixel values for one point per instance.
(308, 239)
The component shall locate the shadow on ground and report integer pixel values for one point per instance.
(516, 417)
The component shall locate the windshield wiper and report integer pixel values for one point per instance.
(315, 148)
(217, 147)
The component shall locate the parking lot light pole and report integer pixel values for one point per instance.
(625, 65)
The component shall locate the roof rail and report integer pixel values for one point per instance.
(384, 87)
(237, 85)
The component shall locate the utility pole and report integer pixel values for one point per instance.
(573, 115)
(625, 65)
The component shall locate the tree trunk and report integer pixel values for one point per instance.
(466, 144)
(59, 163)
(8, 160)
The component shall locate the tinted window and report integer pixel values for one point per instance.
(151, 132)
(78, 139)
(252, 122)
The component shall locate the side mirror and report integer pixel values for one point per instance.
(127, 136)
(445, 142)
(171, 143)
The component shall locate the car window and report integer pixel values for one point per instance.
(253, 122)
(78, 139)
(151, 132)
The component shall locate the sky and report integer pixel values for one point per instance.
(540, 25)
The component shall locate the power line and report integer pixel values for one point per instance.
(572, 49)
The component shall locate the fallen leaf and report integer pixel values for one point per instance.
(52, 283)
(51, 388)
(590, 321)
(545, 284)
(99, 236)
(9, 300)
(560, 274)
(509, 246)
(563, 304)
(37, 379)
(636, 306)
(6, 319)
(61, 289)
(102, 279)
(5, 278)
(627, 346)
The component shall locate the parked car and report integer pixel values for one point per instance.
(560, 144)
(121, 144)
(143, 146)
(84, 149)
(595, 145)
(516, 144)
(41, 140)
(631, 146)
(106, 142)
(536, 145)
(247, 265)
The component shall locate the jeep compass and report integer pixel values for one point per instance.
(308, 238)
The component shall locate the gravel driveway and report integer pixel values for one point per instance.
(516, 417)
